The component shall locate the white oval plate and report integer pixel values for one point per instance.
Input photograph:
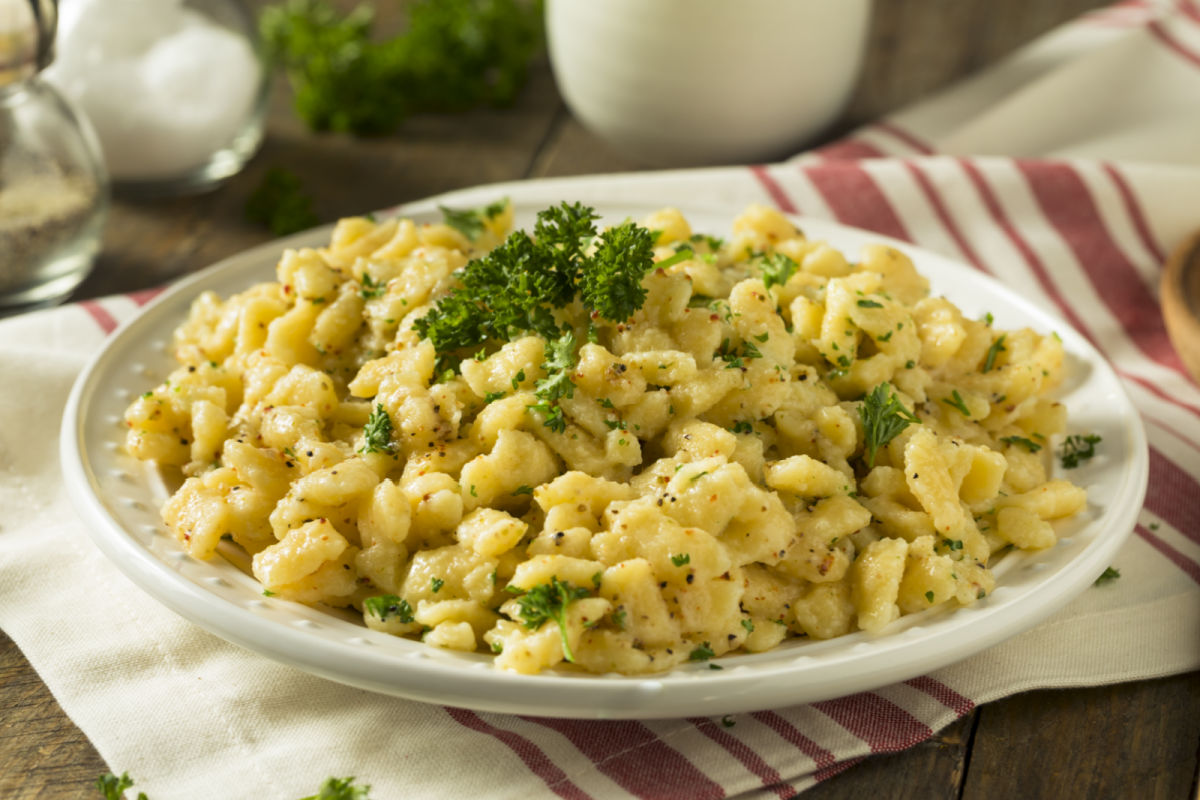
(118, 498)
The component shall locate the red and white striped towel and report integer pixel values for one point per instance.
(988, 173)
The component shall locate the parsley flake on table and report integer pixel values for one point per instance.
(884, 417)
(113, 787)
(548, 601)
(1109, 575)
(340, 789)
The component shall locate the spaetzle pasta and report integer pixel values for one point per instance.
(777, 443)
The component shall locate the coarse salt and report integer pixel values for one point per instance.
(163, 85)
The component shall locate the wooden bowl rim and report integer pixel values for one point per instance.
(1181, 309)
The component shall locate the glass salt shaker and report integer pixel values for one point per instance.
(53, 185)
(176, 89)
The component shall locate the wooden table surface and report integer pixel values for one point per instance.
(1134, 740)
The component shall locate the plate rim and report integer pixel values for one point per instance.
(660, 695)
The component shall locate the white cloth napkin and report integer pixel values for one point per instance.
(1116, 93)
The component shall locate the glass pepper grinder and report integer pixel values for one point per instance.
(53, 184)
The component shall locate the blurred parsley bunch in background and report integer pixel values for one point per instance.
(454, 55)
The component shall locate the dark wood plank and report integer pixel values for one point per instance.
(932, 770)
(42, 753)
(1129, 740)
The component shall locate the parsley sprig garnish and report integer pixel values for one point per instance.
(612, 279)
(1077, 448)
(377, 433)
(548, 601)
(517, 287)
(884, 417)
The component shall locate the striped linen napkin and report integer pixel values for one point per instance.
(1072, 205)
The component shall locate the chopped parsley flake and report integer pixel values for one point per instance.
(549, 601)
(377, 434)
(884, 417)
(955, 401)
(1028, 444)
(1077, 448)
(470, 222)
(996, 349)
(776, 269)
(387, 605)
(681, 559)
(371, 288)
(1109, 575)
(702, 653)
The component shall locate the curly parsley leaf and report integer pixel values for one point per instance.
(884, 417)
(281, 204)
(1078, 448)
(517, 287)
(377, 433)
(549, 601)
(560, 360)
(612, 278)
(564, 233)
